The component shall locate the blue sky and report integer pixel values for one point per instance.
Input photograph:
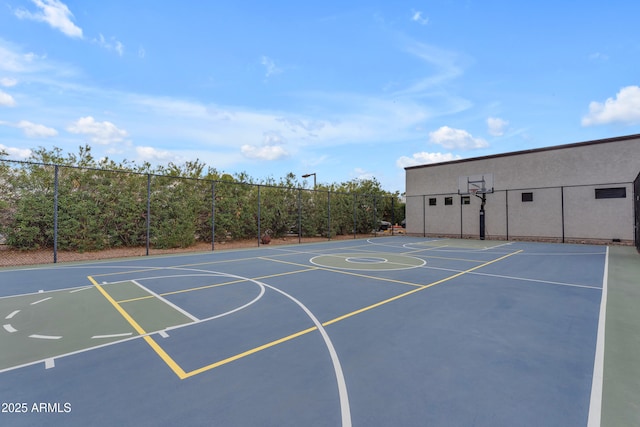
(346, 90)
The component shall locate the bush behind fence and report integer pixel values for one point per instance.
(61, 208)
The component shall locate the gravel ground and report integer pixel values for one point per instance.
(15, 258)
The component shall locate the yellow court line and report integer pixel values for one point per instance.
(306, 269)
(199, 288)
(240, 281)
(249, 352)
(338, 319)
(183, 375)
(154, 345)
(430, 248)
(349, 273)
(446, 279)
(454, 259)
(145, 269)
(124, 301)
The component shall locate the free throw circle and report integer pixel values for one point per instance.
(367, 261)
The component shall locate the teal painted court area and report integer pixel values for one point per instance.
(391, 331)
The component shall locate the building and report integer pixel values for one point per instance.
(586, 192)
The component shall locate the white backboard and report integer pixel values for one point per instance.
(482, 183)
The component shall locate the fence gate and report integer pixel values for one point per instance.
(636, 198)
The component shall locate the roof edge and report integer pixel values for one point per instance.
(532, 150)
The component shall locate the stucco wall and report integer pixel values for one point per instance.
(562, 180)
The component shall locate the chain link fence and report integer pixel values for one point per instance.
(55, 213)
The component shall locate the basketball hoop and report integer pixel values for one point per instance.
(473, 191)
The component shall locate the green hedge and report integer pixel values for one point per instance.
(103, 204)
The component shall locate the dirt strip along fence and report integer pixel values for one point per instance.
(54, 213)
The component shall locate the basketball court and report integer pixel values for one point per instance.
(389, 331)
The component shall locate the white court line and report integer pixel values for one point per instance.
(523, 279)
(345, 410)
(42, 300)
(12, 314)
(549, 282)
(9, 328)
(70, 290)
(126, 334)
(414, 249)
(80, 289)
(73, 353)
(497, 246)
(595, 404)
(45, 337)
(217, 316)
(49, 363)
(355, 255)
(203, 273)
(169, 303)
(555, 254)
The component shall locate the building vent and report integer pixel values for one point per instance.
(611, 193)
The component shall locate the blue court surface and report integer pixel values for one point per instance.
(396, 331)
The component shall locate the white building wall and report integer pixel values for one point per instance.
(603, 219)
(540, 218)
(562, 179)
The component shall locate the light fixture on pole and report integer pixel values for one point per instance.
(314, 178)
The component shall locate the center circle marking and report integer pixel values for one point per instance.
(367, 261)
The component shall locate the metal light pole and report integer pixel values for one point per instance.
(314, 178)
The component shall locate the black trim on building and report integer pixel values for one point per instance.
(534, 150)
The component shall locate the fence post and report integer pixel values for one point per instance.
(148, 210)
(461, 218)
(375, 216)
(55, 214)
(424, 216)
(299, 215)
(562, 209)
(355, 215)
(506, 205)
(329, 214)
(258, 214)
(213, 214)
(393, 215)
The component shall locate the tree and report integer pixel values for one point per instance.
(103, 204)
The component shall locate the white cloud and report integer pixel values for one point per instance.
(456, 139)
(266, 152)
(419, 18)
(16, 153)
(270, 66)
(425, 158)
(34, 130)
(6, 99)
(8, 82)
(13, 60)
(598, 56)
(103, 133)
(111, 44)
(363, 174)
(496, 126)
(625, 109)
(447, 65)
(55, 13)
(153, 154)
